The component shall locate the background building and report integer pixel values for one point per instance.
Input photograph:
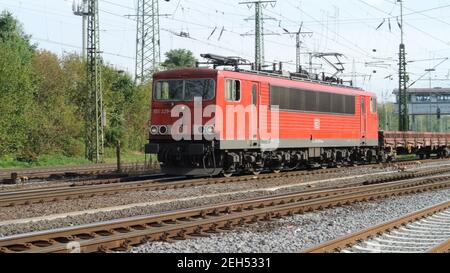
(428, 108)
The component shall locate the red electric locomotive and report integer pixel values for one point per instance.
(210, 122)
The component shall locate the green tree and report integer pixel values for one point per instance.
(128, 110)
(179, 58)
(44, 99)
(11, 32)
(16, 87)
(55, 112)
(137, 114)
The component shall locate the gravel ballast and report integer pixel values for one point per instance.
(170, 200)
(230, 191)
(302, 231)
(219, 195)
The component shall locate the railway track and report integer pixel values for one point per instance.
(183, 224)
(85, 170)
(69, 171)
(426, 230)
(160, 182)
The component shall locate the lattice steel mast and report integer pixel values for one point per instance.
(148, 54)
(95, 119)
(403, 80)
(298, 45)
(259, 31)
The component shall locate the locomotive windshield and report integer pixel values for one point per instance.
(184, 90)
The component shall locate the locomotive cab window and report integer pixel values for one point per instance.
(184, 90)
(373, 105)
(199, 89)
(169, 90)
(232, 90)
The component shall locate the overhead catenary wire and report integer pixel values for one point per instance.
(226, 12)
(410, 25)
(423, 13)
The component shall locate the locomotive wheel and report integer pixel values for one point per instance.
(227, 175)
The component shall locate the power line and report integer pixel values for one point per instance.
(414, 27)
(203, 42)
(355, 46)
(423, 13)
(361, 51)
(78, 47)
(118, 5)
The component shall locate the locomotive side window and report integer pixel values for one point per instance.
(325, 102)
(232, 90)
(254, 95)
(294, 99)
(373, 105)
(349, 105)
(311, 101)
(338, 103)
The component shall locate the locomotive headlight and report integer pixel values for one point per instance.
(163, 130)
(210, 129)
(154, 130)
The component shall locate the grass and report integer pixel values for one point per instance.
(43, 161)
(61, 160)
(127, 157)
(405, 157)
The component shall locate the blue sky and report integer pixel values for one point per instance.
(346, 26)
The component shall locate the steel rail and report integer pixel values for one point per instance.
(354, 238)
(51, 194)
(182, 224)
(40, 173)
(442, 248)
(42, 195)
(33, 173)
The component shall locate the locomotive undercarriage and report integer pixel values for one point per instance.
(236, 162)
(204, 159)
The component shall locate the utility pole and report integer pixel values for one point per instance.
(80, 8)
(95, 116)
(298, 45)
(148, 45)
(259, 29)
(263, 45)
(403, 80)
